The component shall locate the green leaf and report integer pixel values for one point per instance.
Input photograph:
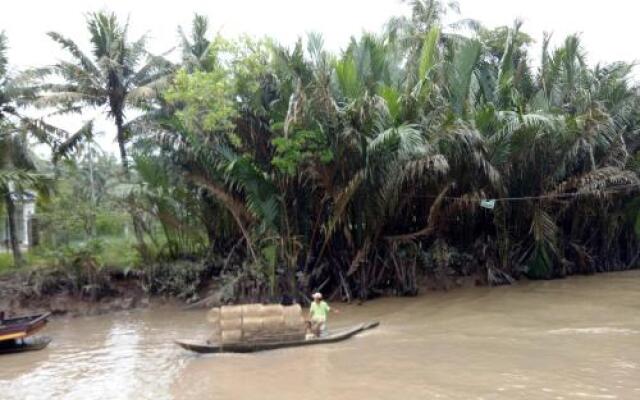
(429, 54)
(348, 79)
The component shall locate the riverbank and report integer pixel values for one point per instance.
(110, 290)
(20, 295)
(65, 293)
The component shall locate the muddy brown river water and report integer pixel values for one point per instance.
(569, 339)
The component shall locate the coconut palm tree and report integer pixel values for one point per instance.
(17, 168)
(18, 175)
(116, 76)
(196, 47)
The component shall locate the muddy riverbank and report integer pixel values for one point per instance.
(21, 296)
(28, 292)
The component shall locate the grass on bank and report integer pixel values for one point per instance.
(85, 269)
(111, 252)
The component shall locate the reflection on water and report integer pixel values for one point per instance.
(124, 356)
(572, 339)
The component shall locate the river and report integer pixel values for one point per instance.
(577, 338)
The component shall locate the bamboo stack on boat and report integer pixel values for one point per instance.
(256, 323)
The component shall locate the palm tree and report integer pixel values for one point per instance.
(18, 174)
(196, 48)
(118, 74)
(352, 169)
(17, 168)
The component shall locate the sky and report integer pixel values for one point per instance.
(608, 29)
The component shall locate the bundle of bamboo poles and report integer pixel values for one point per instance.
(256, 323)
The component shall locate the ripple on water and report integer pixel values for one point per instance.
(120, 364)
(585, 395)
(594, 331)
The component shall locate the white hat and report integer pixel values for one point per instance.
(317, 295)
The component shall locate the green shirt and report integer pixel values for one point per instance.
(319, 311)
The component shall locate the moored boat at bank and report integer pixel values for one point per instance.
(22, 327)
(27, 344)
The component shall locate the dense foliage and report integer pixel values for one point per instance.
(292, 169)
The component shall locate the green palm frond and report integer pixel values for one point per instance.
(8, 177)
(83, 60)
(347, 77)
(506, 73)
(341, 203)
(512, 121)
(71, 143)
(261, 195)
(429, 54)
(544, 232)
(155, 68)
(43, 131)
(465, 146)
(429, 58)
(393, 102)
(460, 74)
(106, 34)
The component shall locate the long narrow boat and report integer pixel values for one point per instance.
(22, 345)
(21, 327)
(332, 337)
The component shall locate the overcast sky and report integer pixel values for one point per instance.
(609, 29)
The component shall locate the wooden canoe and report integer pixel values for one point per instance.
(332, 337)
(21, 327)
(22, 345)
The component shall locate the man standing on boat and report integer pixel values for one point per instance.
(318, 313)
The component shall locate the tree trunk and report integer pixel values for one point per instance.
(121, 144)
(209, 219)
(139, 231)
(136, 219)
(93, 192)
(13, 239)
